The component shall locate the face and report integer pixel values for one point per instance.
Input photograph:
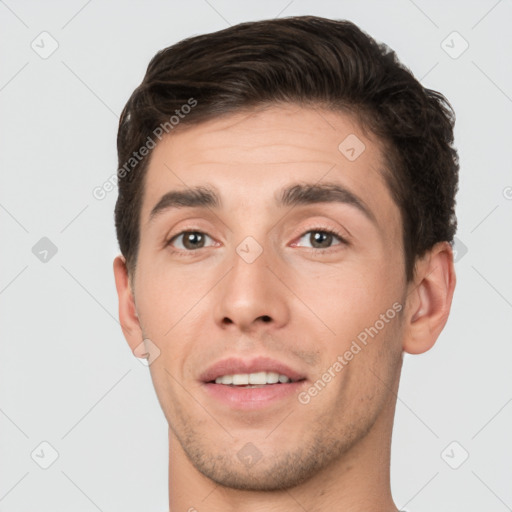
(284, 256)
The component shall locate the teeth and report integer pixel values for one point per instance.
(226, 379)
(272, 377)
(240, 379)
(258, 378)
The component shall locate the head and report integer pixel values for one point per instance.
(239, 149)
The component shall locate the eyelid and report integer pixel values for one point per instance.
(343, 235)
(191, 226)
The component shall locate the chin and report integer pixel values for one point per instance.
(268, 477)
(250, 469)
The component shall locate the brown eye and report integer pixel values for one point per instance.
(191, 240)
(322, 238)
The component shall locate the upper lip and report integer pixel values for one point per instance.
(234, 365)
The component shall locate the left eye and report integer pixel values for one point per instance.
(321, 238)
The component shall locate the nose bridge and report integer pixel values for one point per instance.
(250, 292)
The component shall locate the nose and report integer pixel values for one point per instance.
(252, 296)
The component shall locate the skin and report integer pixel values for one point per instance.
(332, 453)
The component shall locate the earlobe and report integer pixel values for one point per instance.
(128, 316)
(429, 299)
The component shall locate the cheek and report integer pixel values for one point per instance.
(347, 295)
(354, 305)
(169, 308)
(165, 294)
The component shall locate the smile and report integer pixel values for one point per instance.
(259, 378)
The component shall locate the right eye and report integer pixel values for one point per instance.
(190, 240)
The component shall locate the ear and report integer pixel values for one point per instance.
(429, 299)
(130, 323)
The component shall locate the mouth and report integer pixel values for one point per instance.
(254, 380)
(251, 384)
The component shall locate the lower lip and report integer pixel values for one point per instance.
(243, 398)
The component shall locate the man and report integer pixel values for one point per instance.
(285, 217)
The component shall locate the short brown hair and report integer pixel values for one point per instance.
(304, 60)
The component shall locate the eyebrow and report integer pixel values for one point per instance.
(304, 194)
(192, 197)
(293, 195)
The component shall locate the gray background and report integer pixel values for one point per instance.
(68, 378)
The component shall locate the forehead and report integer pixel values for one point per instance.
(249, 156)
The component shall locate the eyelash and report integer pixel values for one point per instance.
(328, 231)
